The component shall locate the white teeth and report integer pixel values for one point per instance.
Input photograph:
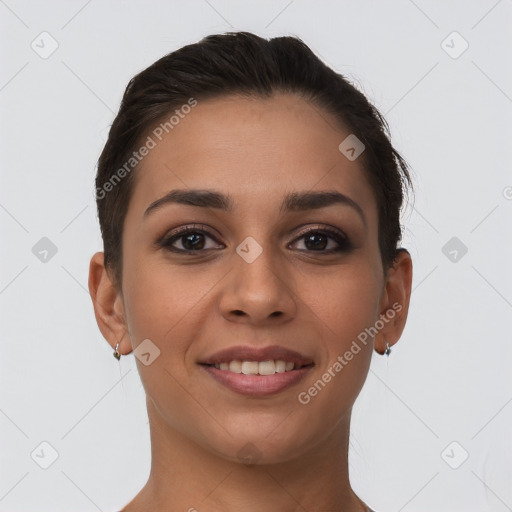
(250, 367)
(280, 366)
(267, 368)
(235, 366)
(257, 368)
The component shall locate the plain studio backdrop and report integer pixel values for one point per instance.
(431, 428)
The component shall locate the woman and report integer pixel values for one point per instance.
(249, 201)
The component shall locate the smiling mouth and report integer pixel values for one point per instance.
(269, 367)
(258, 379)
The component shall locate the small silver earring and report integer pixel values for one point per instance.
(388, 349)
(117, 355)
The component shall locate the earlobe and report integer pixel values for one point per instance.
(108, 305)
(395, 302)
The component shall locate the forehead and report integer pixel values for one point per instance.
(252, 149)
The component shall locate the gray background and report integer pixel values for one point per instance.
(446, 390)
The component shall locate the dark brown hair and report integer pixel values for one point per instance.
(241, 63)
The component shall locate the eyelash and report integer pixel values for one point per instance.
(340, 238)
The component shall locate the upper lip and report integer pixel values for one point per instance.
(248, 353)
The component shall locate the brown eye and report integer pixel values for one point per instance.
(318, 240)
(194, 240)
(187, 240)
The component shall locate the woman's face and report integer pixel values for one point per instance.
(261, 274)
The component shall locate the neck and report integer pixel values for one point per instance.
(186, 477)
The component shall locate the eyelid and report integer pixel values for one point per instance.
(339, 236)
(322, 227)
(172, 236)
(194, 227)
(207, 231)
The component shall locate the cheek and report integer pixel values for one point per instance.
(347, 305)
(345, 301)
(164, 304)
(170, 307)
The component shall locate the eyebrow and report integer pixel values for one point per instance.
(293, 202)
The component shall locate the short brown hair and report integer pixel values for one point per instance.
(244, 63)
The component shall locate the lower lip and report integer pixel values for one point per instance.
(257, 385)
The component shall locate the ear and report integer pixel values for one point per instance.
(394, 304)
(108, 305)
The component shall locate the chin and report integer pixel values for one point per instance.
(255, 445)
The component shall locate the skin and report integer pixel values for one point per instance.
(190, 306)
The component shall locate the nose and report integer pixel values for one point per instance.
(258, 292)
